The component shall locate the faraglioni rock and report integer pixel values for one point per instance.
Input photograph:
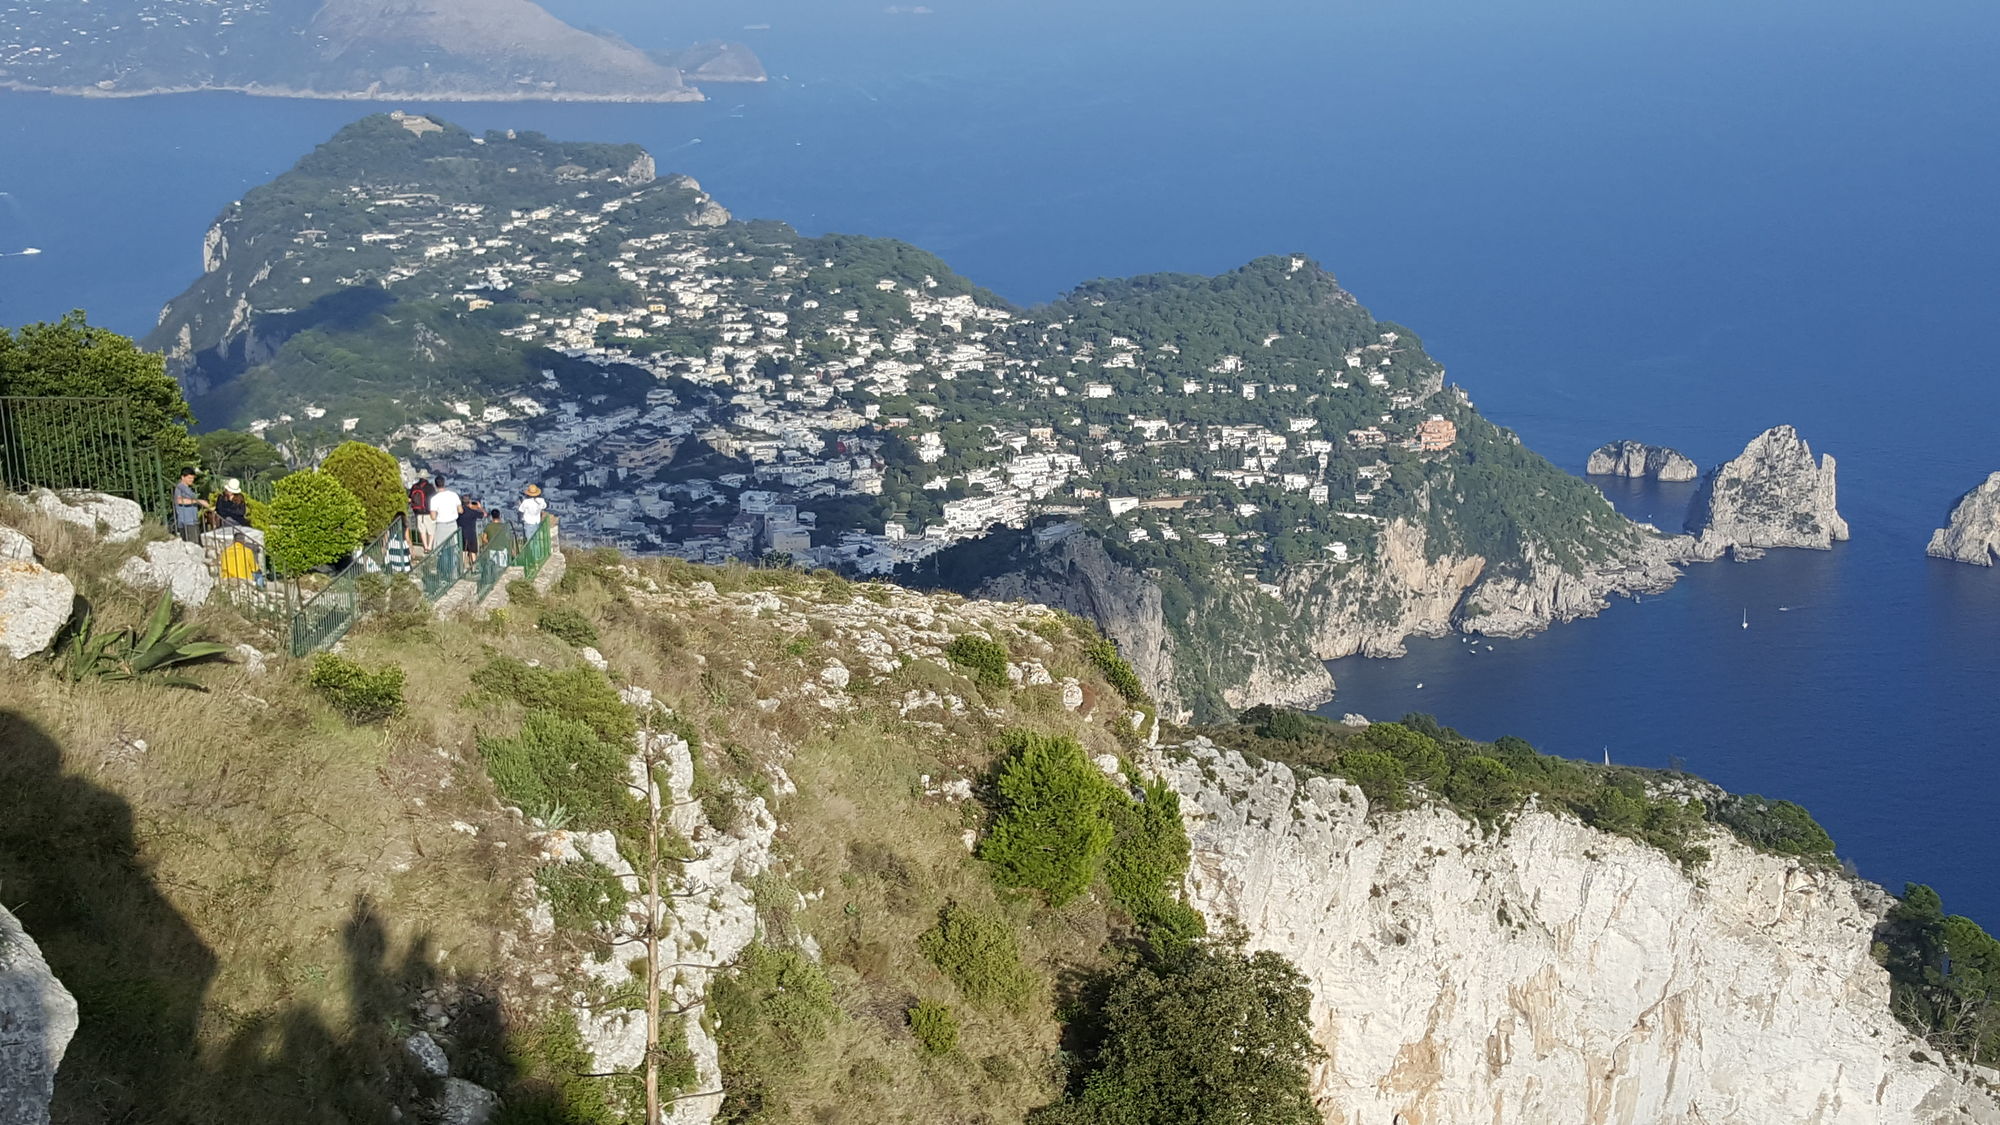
(1554, 972)
(1637, 459)
(1774, 495)
(1972, 535)
(37, 1020)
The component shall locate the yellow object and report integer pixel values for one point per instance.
(239, 561)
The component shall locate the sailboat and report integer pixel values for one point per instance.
(1607, 755)
(1746, 618)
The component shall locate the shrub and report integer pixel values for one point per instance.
(361, 696)
(1774, 826)
(314, 520)
(567, 624)
(581, 895)
(554, 1083)
(1380, 777)
(557, 762)
(777, 1003)
(1117, 671)
(1944, 973)
(373, 477)
(983, 657)
(977, 952)
(1145, 864)
(1481, 787)
(935, 1027)
(579, 692)
(1049, 821)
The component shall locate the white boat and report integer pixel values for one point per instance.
(1746, 619)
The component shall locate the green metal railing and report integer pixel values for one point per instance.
(536, 550)
(440, 569)
(79, 443)
(493, 562)
(321, 620)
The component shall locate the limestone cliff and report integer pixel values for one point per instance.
(1554, 973)
(37, 1019)
(1972, 534)
(1773, 495)
(1637, 459)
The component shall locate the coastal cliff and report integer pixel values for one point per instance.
(1552, 972)
(1972, 534)
(1773, 495)
(37, 1020)
(1637, 459)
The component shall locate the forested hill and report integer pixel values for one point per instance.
(473, 50)
(507, 306)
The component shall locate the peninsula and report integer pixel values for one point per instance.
(439, 50)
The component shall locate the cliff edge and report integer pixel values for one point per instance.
(1553, 972)
(37, 1020)
(1773, 495)
(1972, 534)
(1637, 459)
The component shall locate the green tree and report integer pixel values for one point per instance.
(1215, 1036)
(373, 477)
(314, 520)
(72, 358)
(1049, 821)
(232, 453)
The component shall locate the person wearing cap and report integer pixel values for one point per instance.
(231, 506)
(531, 508)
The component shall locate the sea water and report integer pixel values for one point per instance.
(1681, 222)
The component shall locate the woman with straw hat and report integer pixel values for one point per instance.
(531, 508)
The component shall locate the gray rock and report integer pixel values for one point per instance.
(1637, 459)
(37, 1020)
(118, 518)
(16, 546)
(35, 604)
(464, 1103)
(427, 1055)
(594, 658)
(1774, 495)
(173, 565)
(1072, 694)
(1972, 534)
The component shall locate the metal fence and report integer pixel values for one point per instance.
(536, 550)
(493, 562)
(79, 443)
(440, 569)
(321, 620)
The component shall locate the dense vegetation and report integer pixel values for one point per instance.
(1945, 975)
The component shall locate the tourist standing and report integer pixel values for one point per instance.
(445, 507)
(499, 539)
(188, 508)
(531, 508)
(231, 506)
(420, 507)
(468, 530)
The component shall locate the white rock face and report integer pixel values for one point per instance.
(37, 1021)
(119, 518)
(1555, 973)
(1972, 535)
(1774, 495)
(173, 565)
(35, 604)
(15, 546)
(1637, 459)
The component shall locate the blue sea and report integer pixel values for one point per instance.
(1678, 221)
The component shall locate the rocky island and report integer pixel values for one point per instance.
(1972, 534)
(1639, 460)
(440, 50)
(1773, 495)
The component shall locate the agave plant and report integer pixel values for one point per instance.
(159, 646)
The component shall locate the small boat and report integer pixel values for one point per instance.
(1607, 755)
(1746, 619)
(1420, 686)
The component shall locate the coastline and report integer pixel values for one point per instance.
(688, 94)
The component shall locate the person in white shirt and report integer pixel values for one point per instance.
(445, 507)
(531, 508)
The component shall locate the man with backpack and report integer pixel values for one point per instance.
(420, 507)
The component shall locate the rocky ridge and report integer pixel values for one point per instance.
(1772, 495)
(1972, 534)
(1552, 972)
(1637, 459)
(37, 1020)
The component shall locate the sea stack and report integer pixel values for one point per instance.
(1637, 459)
(1972, 535)
(1774, 495)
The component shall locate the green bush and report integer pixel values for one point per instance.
(373, 477)
(361, 696)
(581, 895)
(314, 520)
(1146, 861)
(553, 1083)
(566, 624)
(983, 657)
(1050, 824)
(1380, 777)
(977, 951)
(1481, 787)
(776, 1004)
(578, 692)
(1117, 672)
(934, 1026)
(1944, 974)
(562, 763)
(1774, 826)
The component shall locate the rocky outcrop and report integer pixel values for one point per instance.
(1972, 534)
(1554, 973)
(37, 1020)
(1774, 495)
(115, 518)
(35, 602)
(1637, 459)
(173, 565)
